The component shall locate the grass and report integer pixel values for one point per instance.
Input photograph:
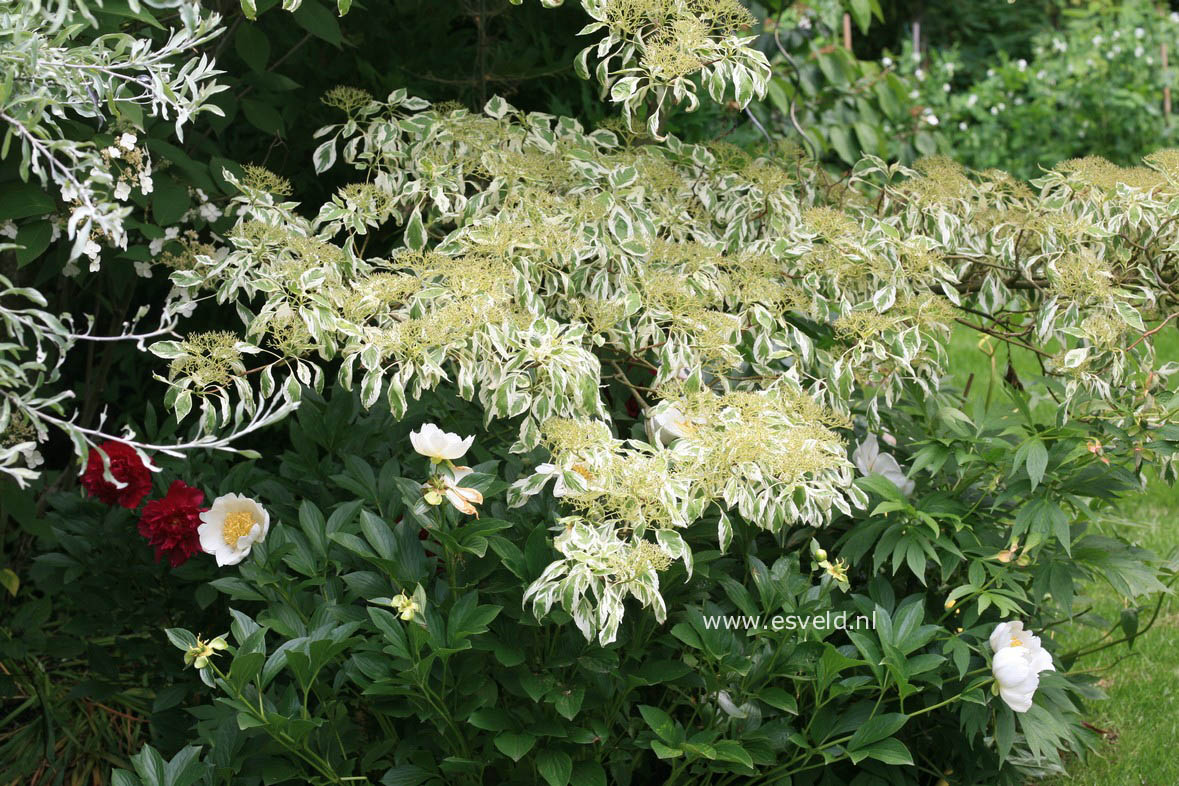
(1140, 719)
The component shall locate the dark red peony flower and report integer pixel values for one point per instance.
(126, 466)
(170, 524)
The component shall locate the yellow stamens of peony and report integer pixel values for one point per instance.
(1016, 642)
(237, 524)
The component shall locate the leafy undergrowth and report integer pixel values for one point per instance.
(1141, 716)
(1139, 719)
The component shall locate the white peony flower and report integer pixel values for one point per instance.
(668, 426)
(870, 461)
(231, 527)
(446, 486)
(439, 445)
(1019, 659)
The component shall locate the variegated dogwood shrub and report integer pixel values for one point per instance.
(586, 411)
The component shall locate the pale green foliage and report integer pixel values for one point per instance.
(543, 259)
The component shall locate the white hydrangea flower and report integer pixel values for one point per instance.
(145, 183)
(31, 455)
(127, 141)
(209, 212)
(8, 229)
(122, 190)
(870, 461)
(439, 445)
(231, 527)
(143, 269)
(1019, 659)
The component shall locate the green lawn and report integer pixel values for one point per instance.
(1141, 716)
(1142, 713)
